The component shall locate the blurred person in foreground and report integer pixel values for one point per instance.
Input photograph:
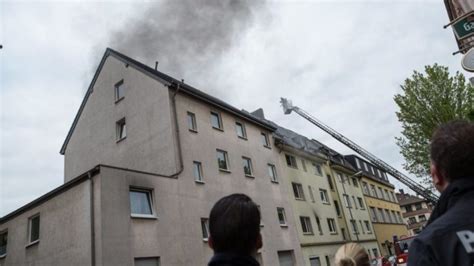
(351, 254)
(234, 225)
(448, 238)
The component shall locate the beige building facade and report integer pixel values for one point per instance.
(415, 212)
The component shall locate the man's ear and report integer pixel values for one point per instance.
(439, 181)
(259, 241)
(209, 242)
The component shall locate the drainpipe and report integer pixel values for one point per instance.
(92, 217)
(175, 114)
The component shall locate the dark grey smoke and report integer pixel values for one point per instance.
(184, 34)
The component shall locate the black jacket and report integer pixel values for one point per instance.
(448, 238)
(226, 259)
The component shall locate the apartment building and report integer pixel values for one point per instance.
(315, 209)
(380, 199)
(347, 184)
(145, 159)
(415, 211)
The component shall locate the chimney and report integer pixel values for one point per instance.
(259, 113)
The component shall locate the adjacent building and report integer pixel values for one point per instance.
(382, 203)
(415, 211)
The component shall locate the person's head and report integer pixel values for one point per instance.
(351, 254)
(234, 225)
(452, 153)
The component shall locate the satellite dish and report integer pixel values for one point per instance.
(468, 60)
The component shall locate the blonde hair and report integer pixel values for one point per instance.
(352, 254)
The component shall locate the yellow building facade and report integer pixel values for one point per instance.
(384, 209)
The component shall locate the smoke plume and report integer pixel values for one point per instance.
(184, 34)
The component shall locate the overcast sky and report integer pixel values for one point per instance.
(341, 61)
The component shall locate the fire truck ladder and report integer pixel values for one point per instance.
(417, 188)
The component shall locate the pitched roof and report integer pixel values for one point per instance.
(405, 199)
(167, 80)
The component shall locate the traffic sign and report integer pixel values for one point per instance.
(468, 60)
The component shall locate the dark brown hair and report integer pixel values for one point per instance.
(452, 150)
(234, 224)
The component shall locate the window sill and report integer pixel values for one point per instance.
(268, 147)
(284, 225)
(274, 182)
(36, 242)
(244, 138)
(120, 140)
(250, 176)
(301, 199)
(205, 240)
(199, 182)
(193, 130)
(142, 216)
(119, 100)
(225, 171)
(333, 233)
(308, 234)
(326, 203)
(218, 129)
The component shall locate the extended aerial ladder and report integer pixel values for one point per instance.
(417, 188)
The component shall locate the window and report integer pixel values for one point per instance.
(332, 225)
(324, 195)
(365, 188)
(418, 206)
(3, 243)
(380, 194)
(347, 201)
(354, 181)
(343, 233)
(331, 185)
(373, 214)
(387, 197)
(314, 261)
(317, 169)
(318, 223)
(121, 129)
(408, 208)
(422, 218)
(34, 229)
(362, 227)
(365, 166)
(119, 91)
(240, 129)
(281, 216)
(340, 177)
(285, 258)
(376, 252)
(387, 214)
(306, 225)
(355, 203)
(327, 261)
(222, 160)
(291, 161)
(379, 173)
(361, 203)
(261, 219)
(303, 163)
(154, 261)
(141, 203)
(399, 218)
(205, 228)
(298, 191)
(192, 126)
(216, 120)
(311, 193)
(412, 220)
(338, 210)
(247, 164)
(197, 169)
(394, 217)
(394, 199)
(382, 216)
(355, 229)
(272, 173)
(374, 192)
(265, 141)
(357, 163)
(367, 227)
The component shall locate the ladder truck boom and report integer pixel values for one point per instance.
(417, 188)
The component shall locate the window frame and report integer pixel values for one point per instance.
(219, 120)
(200, 172)
(4, 234)
(361, 203)
(332, 221)
(291, 161)
(249, 161)
(305, 222)
(338, 208)
(299, 190)
(318, 170)
(226, 158)
(273, 177)
(151, 202)
(121, 129)
(281, 210)
(323, 194)
(266, 142)
(368, 227)
(244, 131)
(311, 194)
(117, 86)
(30, 225)
(193, 121)
(330, 183)
(205, 229)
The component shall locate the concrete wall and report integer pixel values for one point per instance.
(65, 236)
(146, 108)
